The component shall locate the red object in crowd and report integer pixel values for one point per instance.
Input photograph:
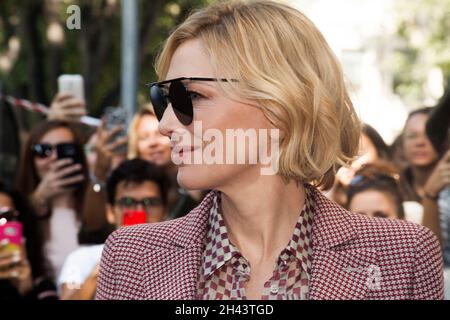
(132, 217)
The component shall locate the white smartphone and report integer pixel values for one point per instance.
(71, 83)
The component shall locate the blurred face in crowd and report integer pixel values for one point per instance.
(367, 154)
(129, 197)
(152, 145)
(417, 148)
(215, 111)
(374, 203)
(6, 201)
(53, 137)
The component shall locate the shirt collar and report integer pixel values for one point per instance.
(220, 250)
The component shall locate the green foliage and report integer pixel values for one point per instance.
(94, 51)
(424, 32)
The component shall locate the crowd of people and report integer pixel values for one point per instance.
(77, 184)
(69, 206)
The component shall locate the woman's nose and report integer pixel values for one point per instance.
(168, 122)
(421, 141)
(54, 155)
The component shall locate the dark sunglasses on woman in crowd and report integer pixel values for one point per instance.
(359, 181)
(45, 150)
(175, 92)
(132, 203)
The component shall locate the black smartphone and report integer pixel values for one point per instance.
(70, 150)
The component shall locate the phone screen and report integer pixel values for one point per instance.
(70, 150)
(73, 84)
(11, 231)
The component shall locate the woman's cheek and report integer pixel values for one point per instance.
(40, 168)
(141, 147)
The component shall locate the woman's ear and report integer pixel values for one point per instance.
(110, 216)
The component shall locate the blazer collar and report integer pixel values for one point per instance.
(172, 273)
(195, 224)
(332, 224)
(327, 216)
(339, 270)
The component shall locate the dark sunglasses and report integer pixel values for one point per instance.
(174, 91)
(132, 203)
(363, 180)
(45, 150)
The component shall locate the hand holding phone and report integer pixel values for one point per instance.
(14, 265)
(69, 104)
(62, 175)
(72, 84)
(115, 121)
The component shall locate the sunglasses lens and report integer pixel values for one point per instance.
(181, 102)
(42, 150)
(158, 100)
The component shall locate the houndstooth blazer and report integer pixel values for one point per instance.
(354, 257)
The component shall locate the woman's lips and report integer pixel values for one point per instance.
(420, 154)
(182, 151)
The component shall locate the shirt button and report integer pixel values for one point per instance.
(274, 289)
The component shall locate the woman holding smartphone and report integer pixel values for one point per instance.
(23, 271)
(55, 185)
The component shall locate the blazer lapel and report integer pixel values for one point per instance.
(342, 275)
(339, 270)
(172, 272)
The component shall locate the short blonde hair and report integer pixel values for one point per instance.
(133, 151)
(285, 66)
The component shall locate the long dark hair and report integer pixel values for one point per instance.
(31, 231)
(28, 179)
(378, 142)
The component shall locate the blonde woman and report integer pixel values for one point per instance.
(253, 66)
(146, 142)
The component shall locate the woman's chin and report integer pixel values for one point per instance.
(196, 177)
(190, 178)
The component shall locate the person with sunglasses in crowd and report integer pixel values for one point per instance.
(23, 268)
(262, 234)
(146, 142)
(53, 175)
(137, 192)
(375, 192)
